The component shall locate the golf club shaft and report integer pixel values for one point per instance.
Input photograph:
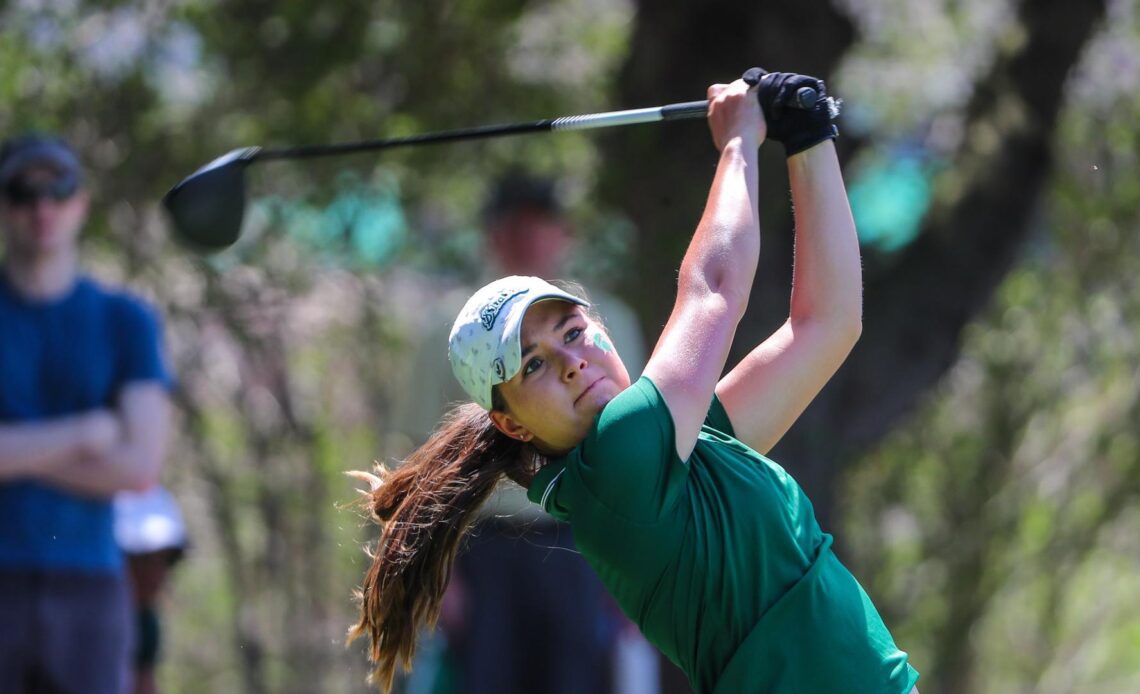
(689, 109)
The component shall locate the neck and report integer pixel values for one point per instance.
(42, 278)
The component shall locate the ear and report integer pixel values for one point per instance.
(510, 426)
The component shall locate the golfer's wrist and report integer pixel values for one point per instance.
(740, 144)
(809, 156)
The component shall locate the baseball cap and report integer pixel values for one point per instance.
(22, 151)
(485, 344)
(148, 521)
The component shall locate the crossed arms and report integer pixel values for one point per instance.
(94, 453)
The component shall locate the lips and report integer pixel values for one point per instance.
(588, 389)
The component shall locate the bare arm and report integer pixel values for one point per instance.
(772, 386)
(717, 271)
(134, 461)
(28, 448)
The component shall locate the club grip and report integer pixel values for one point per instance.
(688, 109)
(805, 97)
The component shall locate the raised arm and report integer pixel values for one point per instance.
(717, 271)
(771, 387)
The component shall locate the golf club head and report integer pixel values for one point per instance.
(207, 206)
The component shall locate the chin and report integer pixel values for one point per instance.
(602, 398)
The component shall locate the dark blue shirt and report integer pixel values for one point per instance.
(59, 358)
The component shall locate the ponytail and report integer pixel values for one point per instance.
(424, 507)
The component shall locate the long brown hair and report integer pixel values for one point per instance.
(424, 506)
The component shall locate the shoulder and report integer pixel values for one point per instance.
(126, 310)
(114, 295)
(626, 468)
(637, 412)
(628, 461)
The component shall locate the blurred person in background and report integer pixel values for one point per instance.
(501, 632)
(152, 534)
(84, 414)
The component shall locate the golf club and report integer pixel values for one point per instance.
(207, 206)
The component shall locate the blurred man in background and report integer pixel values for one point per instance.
(83, 414)
(524, 613)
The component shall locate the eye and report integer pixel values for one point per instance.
(532, 366)
(572, 334)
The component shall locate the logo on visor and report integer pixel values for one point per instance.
(500, 369)
(489, 313)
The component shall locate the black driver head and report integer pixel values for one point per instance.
(207, 206)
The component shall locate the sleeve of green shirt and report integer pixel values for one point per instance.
(717, 418)
(629, 461)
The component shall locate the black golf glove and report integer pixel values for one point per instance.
(796, 107)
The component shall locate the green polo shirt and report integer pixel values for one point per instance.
(719, 559)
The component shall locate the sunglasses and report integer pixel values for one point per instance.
(20, 192)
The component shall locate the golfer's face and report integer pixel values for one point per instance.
(569, 372)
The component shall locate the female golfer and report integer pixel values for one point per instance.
(711, 548)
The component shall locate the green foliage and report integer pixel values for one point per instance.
(1003, 515)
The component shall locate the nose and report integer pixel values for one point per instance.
(42, 207)
(572, 364)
